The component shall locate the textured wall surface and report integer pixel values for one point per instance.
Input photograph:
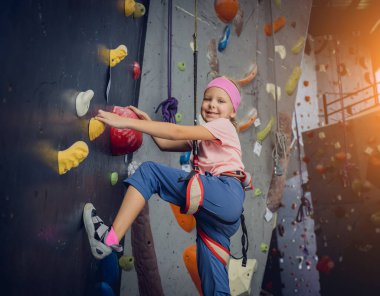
(251, 47)
(49, 53)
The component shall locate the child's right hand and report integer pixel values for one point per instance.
(141, 114)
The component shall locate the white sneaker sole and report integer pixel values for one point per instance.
(98, 249)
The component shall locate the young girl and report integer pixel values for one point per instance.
(223, 194)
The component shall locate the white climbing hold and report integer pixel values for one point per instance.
(271, 90)
(82, 102)
(281, 50)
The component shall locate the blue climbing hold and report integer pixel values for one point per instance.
(184, 158)
(223, 42)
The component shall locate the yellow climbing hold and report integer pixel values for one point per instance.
(261, 135)
(292, 82)
(95, 128)
(117, 55)
(72, 157)
(129, 7)
(126, 262)
(298, 46)
(139, 10)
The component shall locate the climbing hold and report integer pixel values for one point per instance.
(261, 135)
(248, 77)
(306, 83)
(126, 262)
(321, 68)
(129, 7)
(185, 157)
(114, 177)
(375, 218)
(270, 88)
(136, 70)
(292, 82)
(277, 25)
(307, 99)
(325, 265)
(139, 10)
(82, 102)
(281, 50)
(362, 63)
(226, 10)
(212, 56)
(117, 55)
(321, 169)
(223, 42)
(189, 256)
(240, 277)
(186, 222)
(298, 46)
(238, 22)
(248, 120)
(340, 156)
(104, 289)
(367, 78)
(181, 66)
(178, 117)
(95, 128)
(124, 141)
(277, 3)
(72, 156)
(258, 192)
(264, 247)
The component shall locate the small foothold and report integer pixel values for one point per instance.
(275, 26)
(72, 156)
(258, 192)
(178, 117)
(114, 178)
(181, 66)
(139, 10)
(126, 262)
(136, 70)
(95, 128)
(264, 247)
(82, 102)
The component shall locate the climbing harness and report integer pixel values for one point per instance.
(170, 105)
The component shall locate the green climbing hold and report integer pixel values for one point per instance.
(114, 178)
(126, 262)
(261, 135)
(178, 117)
(264, 247)
(277, 3)
(181, 66)
(258, 192)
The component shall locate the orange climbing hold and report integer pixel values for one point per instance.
(277, 25)
(190, 260)
(226, 10)
(186, 222)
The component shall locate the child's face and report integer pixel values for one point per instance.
(216, 104)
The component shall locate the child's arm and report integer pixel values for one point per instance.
(168, 136)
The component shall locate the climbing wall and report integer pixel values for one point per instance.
(49, 55)
(344, 181)
(242, 52)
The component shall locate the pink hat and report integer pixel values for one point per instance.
(229, 87)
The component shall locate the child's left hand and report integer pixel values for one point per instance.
(111, 119)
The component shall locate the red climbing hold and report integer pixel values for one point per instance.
(226, 10)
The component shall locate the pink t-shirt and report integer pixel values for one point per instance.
(224, 153)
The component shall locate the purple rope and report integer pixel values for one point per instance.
(169, 109)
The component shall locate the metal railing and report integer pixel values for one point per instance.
(348, 107)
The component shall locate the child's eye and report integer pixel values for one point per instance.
(221, 101)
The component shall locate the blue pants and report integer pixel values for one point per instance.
(223, 198)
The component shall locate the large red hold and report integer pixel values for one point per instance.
(226, 10)
(124, 141)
